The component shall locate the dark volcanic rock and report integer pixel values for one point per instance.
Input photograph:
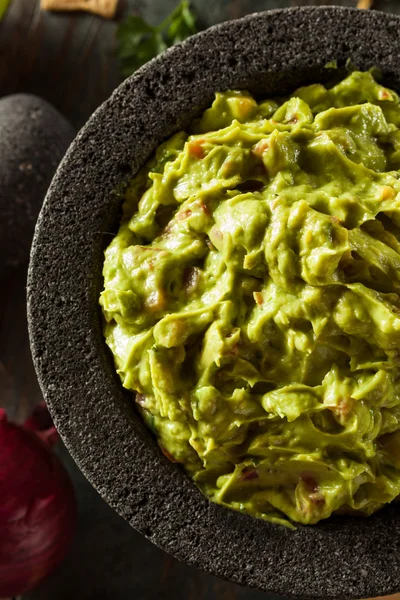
(268, 53)
(33, 140)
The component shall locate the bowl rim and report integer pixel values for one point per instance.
(94, 415)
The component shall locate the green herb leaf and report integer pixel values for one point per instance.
(182, 24)
(138, 41)
(3, 7)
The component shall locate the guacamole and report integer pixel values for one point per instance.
(252, 300)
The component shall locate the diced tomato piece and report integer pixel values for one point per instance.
(205, 209)
(258, 297)
(183, 214)
(317, 498)
(343, 408)
(260, 147)
(384, 95)
(168, 455)
(196, 148)
(249, 473)
(309, 480)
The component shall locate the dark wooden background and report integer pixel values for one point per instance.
(69, 59)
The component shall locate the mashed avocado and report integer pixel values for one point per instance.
(251, 300)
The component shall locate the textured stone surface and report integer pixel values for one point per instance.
(270, 52)
(33, 140)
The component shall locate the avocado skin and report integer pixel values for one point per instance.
(34, 137)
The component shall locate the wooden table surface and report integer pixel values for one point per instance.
(69, 59)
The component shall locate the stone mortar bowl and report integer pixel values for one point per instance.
(268, 53)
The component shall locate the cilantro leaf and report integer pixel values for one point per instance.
(139, 41)
(182, 24)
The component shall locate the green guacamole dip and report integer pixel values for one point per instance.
(251, 300)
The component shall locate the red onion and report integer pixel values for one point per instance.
(37, 504)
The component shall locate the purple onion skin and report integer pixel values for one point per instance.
(37, 506)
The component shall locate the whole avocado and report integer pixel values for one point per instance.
(34, 137)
